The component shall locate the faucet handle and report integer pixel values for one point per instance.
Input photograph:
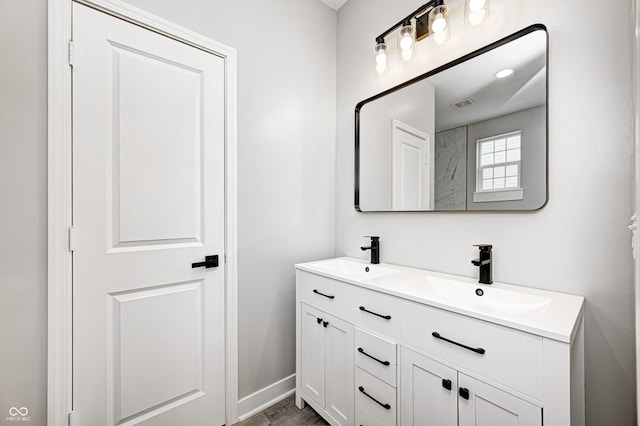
(483, 247)
(373, 237)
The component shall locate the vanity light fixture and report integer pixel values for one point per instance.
(406, 40)
(431, 21)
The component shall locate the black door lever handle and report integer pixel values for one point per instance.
(209, 262)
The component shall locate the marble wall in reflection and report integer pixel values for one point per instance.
(451, 169)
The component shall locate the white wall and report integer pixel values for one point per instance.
(579, 242)
(23, 204)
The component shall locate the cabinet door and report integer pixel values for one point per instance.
(312, 353)
(488, 406)
(428, 391)
(339, 365)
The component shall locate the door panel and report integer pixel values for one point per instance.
(148, 201)
(157, 117)
(339, 368)
(424, 400)
(313, 353)
(489, 406)
(146, 340)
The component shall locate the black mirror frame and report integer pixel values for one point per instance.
(494, 45)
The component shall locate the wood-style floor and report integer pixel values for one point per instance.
(285, 413)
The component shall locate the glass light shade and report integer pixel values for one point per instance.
(439, 24)
(476, 11)
(406, 41)
(380, 57)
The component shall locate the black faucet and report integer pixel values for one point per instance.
(484, 262)
(375, 249)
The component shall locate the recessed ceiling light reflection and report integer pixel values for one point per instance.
(504, 73)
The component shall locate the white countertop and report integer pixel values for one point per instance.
(554, 315)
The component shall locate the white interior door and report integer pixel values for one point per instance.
(413, 168)
(148, 201)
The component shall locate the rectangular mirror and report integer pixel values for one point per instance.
(470, 135)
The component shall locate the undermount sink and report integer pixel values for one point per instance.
(358, 270)
(472, 296)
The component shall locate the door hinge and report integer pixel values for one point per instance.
(72, 53)
(71, 417)
(72, 238)
(634, 229)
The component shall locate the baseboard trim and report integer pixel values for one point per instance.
(252, 404)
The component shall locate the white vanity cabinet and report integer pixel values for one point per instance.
(385, 346)
(326, 356)
(438, 395)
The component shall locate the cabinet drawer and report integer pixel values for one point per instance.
(510, 357)
(365, 418)
(331, 296)
(376, 397)
(376, 355)
(376, 311)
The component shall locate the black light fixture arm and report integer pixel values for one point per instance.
(424, 8)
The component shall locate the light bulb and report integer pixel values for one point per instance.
(406, 42)
(438, 26)
(439, 23)
(476, 11)
(406, 54)
(440, 38)
(380, 57)
(476, 5)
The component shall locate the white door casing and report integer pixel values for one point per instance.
(413, 170)
(186, 294)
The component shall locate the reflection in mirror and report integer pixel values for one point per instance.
(471, 135)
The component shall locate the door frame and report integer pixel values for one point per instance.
(404, 127)
(59, 203)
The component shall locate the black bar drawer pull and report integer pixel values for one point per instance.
(387, 406)
(446, 384)
(476, 350)
(387, 317)
(322, 294)
(387, 363)
(464, 393)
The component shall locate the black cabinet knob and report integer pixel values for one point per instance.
(464, 393)
(446, 384)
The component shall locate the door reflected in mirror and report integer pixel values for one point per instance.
(471, 135)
